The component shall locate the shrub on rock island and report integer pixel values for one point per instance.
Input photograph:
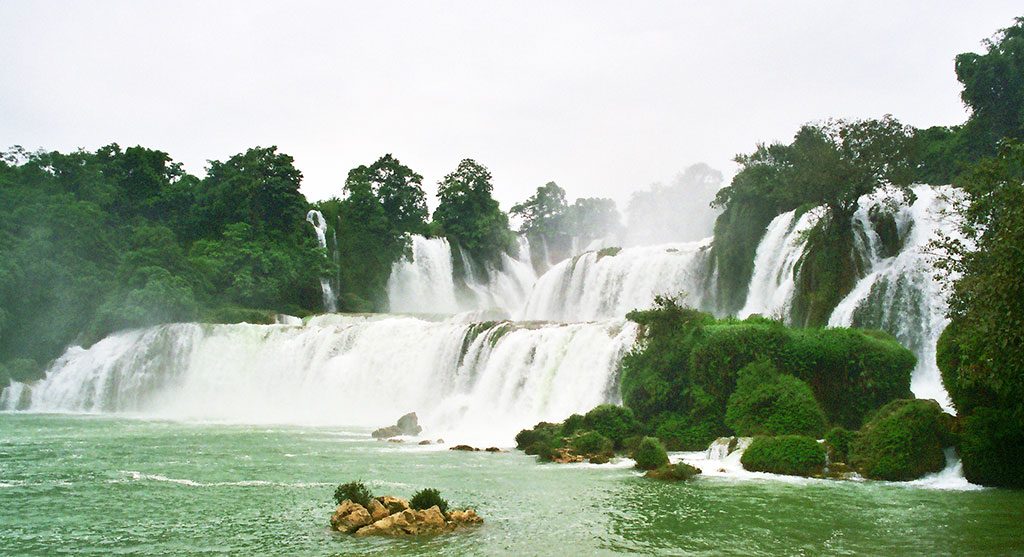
(591, 443)
(792, 455)
(903, 441)
(543, 433)
(613, 421)
(768, 403)
(356, 492)
(678, 472)
(650, 454)
(426, 498)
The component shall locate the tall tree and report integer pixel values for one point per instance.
(469, 216)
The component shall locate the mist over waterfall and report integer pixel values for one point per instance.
(316, 218)
(475, 382)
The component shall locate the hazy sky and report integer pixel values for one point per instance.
(602, 98)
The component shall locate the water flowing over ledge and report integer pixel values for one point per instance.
(471, 382)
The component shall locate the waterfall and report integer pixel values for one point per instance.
(426, 283)
(316, 218)
(900, 294)
(773, 281)
(610, 283)
(469, 382)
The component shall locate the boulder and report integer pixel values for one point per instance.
(425, 442)
(377, 510)
(407, 523)
(493, 450)
(407, 425)
(463, 448)
(393, 504)
(349, 517)
(467, 516)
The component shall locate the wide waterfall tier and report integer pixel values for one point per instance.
(610, 283)
(469, 382)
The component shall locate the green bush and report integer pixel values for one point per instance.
(356, 492)
(992, 448)
(650, 454)
(792, 455)
(591, 443)
(235, 314)
(543, 432)
(840, 439)
(614, 422)
(903, 441)
(426, 498)
(767, 403)
(678, 472)
(572, 424)
(685, 433)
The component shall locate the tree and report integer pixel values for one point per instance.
(994, 90)
(590, 218)
(470, 217)
(543, 213)
(399, 191)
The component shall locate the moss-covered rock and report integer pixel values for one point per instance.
(767, 403)
(903, 441)
(612, 421)
(591, 443)
(650, 454)
(542, 433)
(792, 455)
(679, 472)
(992, 448)
(839, 440)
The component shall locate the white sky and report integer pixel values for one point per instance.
(603, 98)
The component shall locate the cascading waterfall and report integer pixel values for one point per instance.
(900, 294)
(316, 218)
(608, 283)
(475, 382)
(773, 281)
(426, 283)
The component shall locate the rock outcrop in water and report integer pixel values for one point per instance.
(407, 425)
(392, 516)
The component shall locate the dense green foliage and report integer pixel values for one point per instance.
(839, 440)
(792, 455)
(679, 377)
(766, 402)
(612, 421)
(426, 498)
(992, 448)
(591, 443)
(650, 454)
(469, 217)
(357, 492)
(679, 472)
(93, 242)
(903, 441)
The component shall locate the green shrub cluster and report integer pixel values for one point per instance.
(992, 448)
(678, 472)
(426, 498)
(679, 377)
(591, 443)
(612, 421)
(650, 454)
(839, 440)
(357, 492)
(792, 455)
(767, 403)
(903, 441)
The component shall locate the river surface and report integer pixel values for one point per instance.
(105, 485)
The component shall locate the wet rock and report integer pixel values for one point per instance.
(467, 516)
(599, 459)
(463, 448)
(424, 442)
(407, 425)
(493, 450)
(377, 510)
(349, 517)
(393, 504)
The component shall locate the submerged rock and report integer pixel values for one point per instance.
(391, 516)
(407, 425)
(679, 472)
(425, 442)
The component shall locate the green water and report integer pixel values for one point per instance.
(109, 486)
